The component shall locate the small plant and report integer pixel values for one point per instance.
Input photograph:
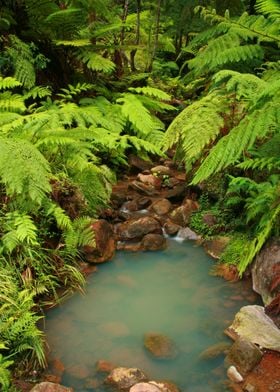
(235, 249)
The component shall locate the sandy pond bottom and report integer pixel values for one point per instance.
(169, 292)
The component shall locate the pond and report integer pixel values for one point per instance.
(168, 292)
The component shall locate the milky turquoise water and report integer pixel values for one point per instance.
(169, 292)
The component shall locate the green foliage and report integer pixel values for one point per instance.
(18, 322)
(234, 251)
(5, 375)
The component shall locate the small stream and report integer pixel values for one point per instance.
(169, 292)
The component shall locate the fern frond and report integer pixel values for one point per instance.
(268, 7)
(8, 82)
(19, 230)
(11, 102)
(196, 126)
(133, 109)
(151, 92)
(96, 62)
(38, 92)
(26, 175)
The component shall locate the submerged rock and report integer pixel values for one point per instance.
(253, 324)
(215, 350)
(105, 246)
(124, 378)
(264, 271)
(244, 355)
(160, 346)
(50, 387)
(104, 366)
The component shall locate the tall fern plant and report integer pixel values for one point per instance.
(238, 112)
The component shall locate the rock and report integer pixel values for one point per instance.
(227, 271)
(78, 371)
(171, 228)
(129, 206)
(244, 355)
(185, 233)
(216, 246)
(149, 179)
(105, 246)
(233, 374)
(104, 366)
(161, 206)
(264, 270)
(215, 350)
(160, 346)
(253, 324)
(143, 202)
(145, 387)
(209, 219)
(166, 386)
(176, 193)
(139, 163)
(50, 387)
(249, 388)
(181, 215)
(124, 378)
(129, 247)
(147, 189)
(161, 170)
(153, 242)
(137, 228)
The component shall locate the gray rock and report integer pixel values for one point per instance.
(185, 233)
(161, 170)
(244, 355)
(124, 378)
(50, 387)
(253, 324)
(264, 270)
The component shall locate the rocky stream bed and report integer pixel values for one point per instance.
(147, 206)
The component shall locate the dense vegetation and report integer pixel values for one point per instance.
(83, 83)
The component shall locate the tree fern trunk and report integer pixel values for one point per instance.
(137, 38)
(156, 36)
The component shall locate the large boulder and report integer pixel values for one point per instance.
(50, 387)
(105, 246)
(153, 242)
(253, 324)
(265, 268)
(181, 215)
(171, 228)
(124, 378)
(160, 346)
(137, 228)
(244, 355)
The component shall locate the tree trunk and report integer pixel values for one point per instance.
(156, 35)
(137, 38)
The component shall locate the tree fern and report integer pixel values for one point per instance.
(96, 62)
(197, 126)
(8, 82)
(26, 176)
